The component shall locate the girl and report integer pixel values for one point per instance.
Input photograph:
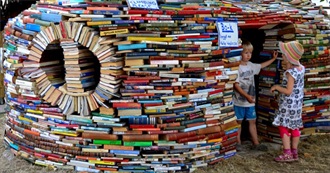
(288, 116)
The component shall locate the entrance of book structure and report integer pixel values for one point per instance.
(257, 38)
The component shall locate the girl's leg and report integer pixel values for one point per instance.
(295, 142)
(287, 155)
(285, 135)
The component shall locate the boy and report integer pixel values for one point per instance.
(244, 94)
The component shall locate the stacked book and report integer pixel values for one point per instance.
(268, 76)
(314, 35)
(79, 67)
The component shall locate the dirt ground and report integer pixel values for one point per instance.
(314, 158)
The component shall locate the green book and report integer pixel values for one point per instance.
(138, 143)
(107, 142)
(101, 115)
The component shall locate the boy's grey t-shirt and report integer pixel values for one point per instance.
(245, 79)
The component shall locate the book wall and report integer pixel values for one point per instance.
(161, 100)
(313, 34)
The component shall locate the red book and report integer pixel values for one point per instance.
(143, 78)
(135, 81)
(152, 104)
(126, 105)
(73, 126)
(133, 126)
(144, 12)
(142, 18)
(162, 132)
(193, 36)
(216, 91)
(146, 129)
(193, 138)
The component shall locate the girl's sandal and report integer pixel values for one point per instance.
(285, 157)
(295, 157)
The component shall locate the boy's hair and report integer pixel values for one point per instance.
(246, 45)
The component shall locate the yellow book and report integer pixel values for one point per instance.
(150, 39)
(114, 32)
(101, 162)
(231, 128)
(24, 119)
(210, 27)
(215, 140)
(64, 133)
(34, 111)
(95, 150)
(171, 8)
(93, 23)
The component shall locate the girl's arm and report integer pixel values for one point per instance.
(289, 87)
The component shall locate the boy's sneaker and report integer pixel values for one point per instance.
(239, 147)
(259, 147)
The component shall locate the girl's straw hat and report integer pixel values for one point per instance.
(293, 51)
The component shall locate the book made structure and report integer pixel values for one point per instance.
(99, 86)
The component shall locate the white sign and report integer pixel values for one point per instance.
(227, 34)
(144, 4)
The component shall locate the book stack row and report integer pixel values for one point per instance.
(314, 35)
(269, 76)
(79, 67)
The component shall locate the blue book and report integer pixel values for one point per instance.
(129, 21)
(178, 18)
(200, 39)
(207, 144)
(132, 46)
(136, 152)
(58, 120)
(112, 12)
(149, 101)
(86, 146)
(36, 16)
(56, 18)
(136, 167)
(231, 131)
(130, 170)
(28, 32)
(106, 19)
(142, 54)
(190, 31)
(184, 110)
(86, 74)
(31, 118)
(131, 116)
(172, 117)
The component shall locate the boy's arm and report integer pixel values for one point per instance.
(243, 93)
(289, 87)
(267, 63)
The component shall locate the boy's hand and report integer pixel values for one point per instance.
(250, 99)
(275, 53)
(273, 88)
